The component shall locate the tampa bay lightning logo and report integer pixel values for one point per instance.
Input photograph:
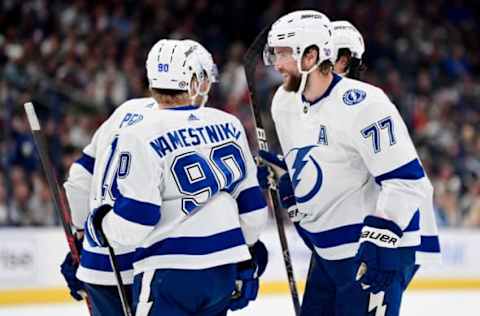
(301, 160)
(354, 96)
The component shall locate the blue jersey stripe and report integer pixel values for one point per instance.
(250, 200)
(184, 108)
(429, 244)
(135, 211)
(383, 223)
(193, 245)
(345, 234)
(351, 233)
(409, 171)
(334, 237)
(86, 162)
(101, 262)
(303, 235)
(414, 223)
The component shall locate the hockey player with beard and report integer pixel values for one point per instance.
(354, 186)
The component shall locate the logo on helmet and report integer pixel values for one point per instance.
(182, 84)
(313, 16)
(354, 96)
(190, 50)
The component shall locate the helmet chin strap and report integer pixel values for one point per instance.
(198, 92)
(303, 81)
(204, 100)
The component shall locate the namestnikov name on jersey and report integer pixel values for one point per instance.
(349, 155)
(183, 176)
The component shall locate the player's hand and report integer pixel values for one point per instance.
(269, 162)
(285, 188)
(265, 176)
(287, 198)
(69, 269)
(93, 227)
(260, 256)
(269, 168)
(378, 257)
(246, 285)
(248, 272)
(274, 161)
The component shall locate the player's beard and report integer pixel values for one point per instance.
(292, 82)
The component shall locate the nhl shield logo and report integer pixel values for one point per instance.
(354, 96)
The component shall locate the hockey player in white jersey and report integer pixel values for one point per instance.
(355, 187)
(95, 274)
(349, 47)
(186, 197)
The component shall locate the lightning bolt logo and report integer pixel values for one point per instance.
(297, 167)
(376, 301)
(299, 164)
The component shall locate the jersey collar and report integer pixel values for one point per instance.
(184, 108)
(336, 79)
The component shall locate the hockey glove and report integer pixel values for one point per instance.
(287, 198)
(378, 257)
(260, 256)
(264, 176)
(273, 159)
(270, 168)
(93, 227)
(248, 272)
(285, 188)
(69, 269)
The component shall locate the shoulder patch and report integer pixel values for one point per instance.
(354, 96)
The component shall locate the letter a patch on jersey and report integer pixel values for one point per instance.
(322, 137)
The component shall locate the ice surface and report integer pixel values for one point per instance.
(416, 303)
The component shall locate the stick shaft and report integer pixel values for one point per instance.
(59, 202)
(250, 62)
(120, 286)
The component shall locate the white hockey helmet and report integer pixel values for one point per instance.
(205, 58)
(172, 64)
(345, 35)
(300, 30)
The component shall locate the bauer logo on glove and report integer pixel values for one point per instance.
(379, 237)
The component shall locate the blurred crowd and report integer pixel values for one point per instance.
(78, 60)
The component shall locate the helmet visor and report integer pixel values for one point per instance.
(272, 55)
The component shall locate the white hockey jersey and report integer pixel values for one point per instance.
(95, 266)
(185, 189)
(349, 155)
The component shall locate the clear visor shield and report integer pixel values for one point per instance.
(268, 55)
(213, 74)
(204, 84)
(273, 55)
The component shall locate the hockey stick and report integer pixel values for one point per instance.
(250, 62)
(62, 208)
(120, 286)
(59, 204)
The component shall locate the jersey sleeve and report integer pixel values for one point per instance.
(251, 203)
(381, 138)
(78, 184)
(136, 182)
